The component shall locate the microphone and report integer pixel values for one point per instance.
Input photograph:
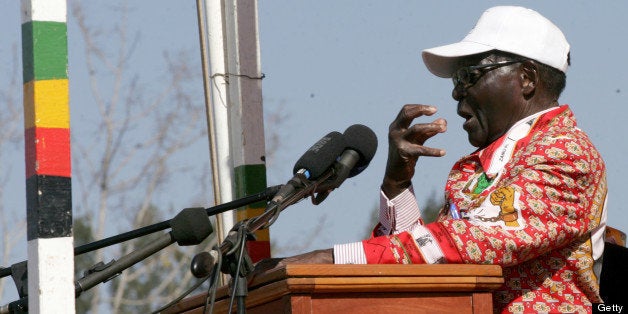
(332, 166)
(317, 159)
(314, 162)
(363, 140)
(361, 145)
(190, 227)
(203, 262)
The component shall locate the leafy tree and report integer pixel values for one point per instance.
(432, 207)
(83, 234)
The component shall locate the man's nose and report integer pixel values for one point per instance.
(458, 92)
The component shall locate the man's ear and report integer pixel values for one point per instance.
(529, 78)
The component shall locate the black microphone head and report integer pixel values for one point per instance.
(191, 226)
(363, 140)
(321, 155)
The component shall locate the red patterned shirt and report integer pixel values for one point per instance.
(533, 201)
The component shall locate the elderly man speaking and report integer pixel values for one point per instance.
(531, 198)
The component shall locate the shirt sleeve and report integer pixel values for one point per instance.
(398, 214)
(421, 244)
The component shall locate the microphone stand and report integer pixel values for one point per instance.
(116, 267)
(190, 227)
(239, 267)
(101, 273)
(304, 188)
(267, 194)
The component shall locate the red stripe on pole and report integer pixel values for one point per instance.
(258, 250)
(48, 152)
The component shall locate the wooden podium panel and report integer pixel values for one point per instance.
(307, 288)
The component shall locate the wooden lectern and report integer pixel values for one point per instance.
(308, 288)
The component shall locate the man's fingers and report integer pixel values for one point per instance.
(419, 133)
(409, 113)
(420, 150)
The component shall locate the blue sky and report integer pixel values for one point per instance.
(331, 64)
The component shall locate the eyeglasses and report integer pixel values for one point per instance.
(468, 76)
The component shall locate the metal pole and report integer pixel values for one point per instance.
(211, 30)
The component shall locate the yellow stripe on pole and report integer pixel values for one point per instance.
(46, 104)
(260, 235)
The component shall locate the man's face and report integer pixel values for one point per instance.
(489, 105)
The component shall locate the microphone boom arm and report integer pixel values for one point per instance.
(304, 189)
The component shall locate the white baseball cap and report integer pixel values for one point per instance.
(511, 29)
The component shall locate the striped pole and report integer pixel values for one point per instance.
(47, 146)
(246, 114)
(235, 115)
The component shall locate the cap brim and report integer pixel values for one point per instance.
(443, 61)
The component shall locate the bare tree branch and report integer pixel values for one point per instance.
(130, 152)
(11, 140)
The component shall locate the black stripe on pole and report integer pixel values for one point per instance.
(49, 207)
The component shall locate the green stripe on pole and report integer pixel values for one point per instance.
(44, 50)
(250, 179)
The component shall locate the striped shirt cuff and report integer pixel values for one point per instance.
(350, 253)
(400, 213)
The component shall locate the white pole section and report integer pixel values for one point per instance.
(218, 110)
